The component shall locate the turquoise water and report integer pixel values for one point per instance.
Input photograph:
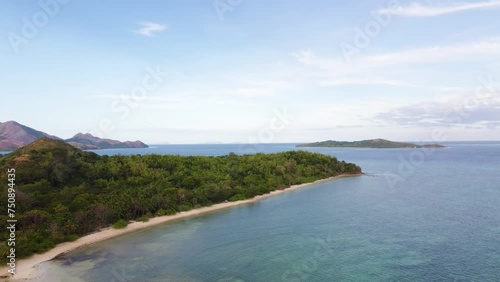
(415, 216)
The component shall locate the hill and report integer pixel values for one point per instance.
(88, 141)
(14, 135)
(372, 143)
(63, 193)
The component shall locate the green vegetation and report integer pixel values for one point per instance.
(120, 224)
(373, 143)
(63, 193)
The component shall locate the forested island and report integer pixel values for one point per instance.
(372, 143)
(63, 193)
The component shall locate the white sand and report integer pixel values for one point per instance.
(28, 268)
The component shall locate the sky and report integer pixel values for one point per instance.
(241, 71)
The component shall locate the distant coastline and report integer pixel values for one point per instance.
(29, 268)
(372, 143)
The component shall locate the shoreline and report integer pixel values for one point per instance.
(28, 268)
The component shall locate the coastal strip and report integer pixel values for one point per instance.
(28, 268)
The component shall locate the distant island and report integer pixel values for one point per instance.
(89, 142)
(14, 135)
(372, 143)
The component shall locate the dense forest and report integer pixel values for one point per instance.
(63, 193)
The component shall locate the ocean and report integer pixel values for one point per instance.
(416, 215)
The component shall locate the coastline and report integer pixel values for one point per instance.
(28, 268)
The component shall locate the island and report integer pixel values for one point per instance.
(65, 193)
(89, 142)
(372, 143)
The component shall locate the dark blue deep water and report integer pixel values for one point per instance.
(415, 216)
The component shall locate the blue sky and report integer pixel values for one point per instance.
(253, 71)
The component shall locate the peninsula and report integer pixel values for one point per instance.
(68, 193)
(372, 143)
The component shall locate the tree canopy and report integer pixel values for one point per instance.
(63, 193)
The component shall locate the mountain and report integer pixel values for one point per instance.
(14, 135)
(88, 141)
(372, 143)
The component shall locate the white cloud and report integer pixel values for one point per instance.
(101, 95)
(439, 53)
(375, 81)
(149, 28)
(459, 111)
(255, 92)
(459, 52)
(419, 10)
(263, 89)
(386, 68)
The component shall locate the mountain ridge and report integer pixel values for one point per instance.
(14, 135)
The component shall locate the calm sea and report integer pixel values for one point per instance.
(417, 215)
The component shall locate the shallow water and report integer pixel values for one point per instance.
(416, 216)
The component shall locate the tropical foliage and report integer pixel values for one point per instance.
(63, 193)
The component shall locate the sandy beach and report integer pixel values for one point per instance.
(28, 268)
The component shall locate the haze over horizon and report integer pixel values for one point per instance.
(253, 71)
